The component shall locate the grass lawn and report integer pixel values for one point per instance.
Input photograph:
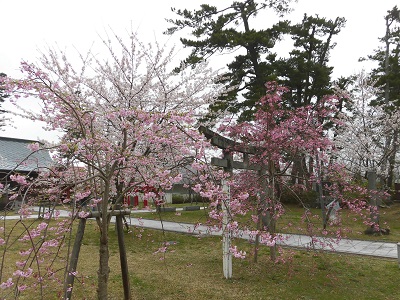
(192, 269)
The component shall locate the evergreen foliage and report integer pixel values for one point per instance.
(233, 30)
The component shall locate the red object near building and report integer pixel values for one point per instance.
(127, 200)
(144, 190)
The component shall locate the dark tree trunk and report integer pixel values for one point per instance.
(104, 269)
(392, 161)
(104, 255)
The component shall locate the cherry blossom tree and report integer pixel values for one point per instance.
(366, 143)
(364, 139)
(280, 135)
(127, 120)
(277, 136)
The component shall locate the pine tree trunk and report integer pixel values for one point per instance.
(295, 171)
(392, 161)
(310, 171)
(299, 172)
(257, 239)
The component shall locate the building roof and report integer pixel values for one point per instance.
(15, 155)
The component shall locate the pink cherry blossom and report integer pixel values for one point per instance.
(7, 284)
(34, 147)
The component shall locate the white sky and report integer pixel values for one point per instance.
(31, 25)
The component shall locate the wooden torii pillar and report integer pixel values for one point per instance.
(228, 147)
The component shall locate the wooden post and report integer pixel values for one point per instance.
(69, 282)
(123, 258)
(228, 147)
(226, 235)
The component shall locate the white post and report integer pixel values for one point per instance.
(226, 235)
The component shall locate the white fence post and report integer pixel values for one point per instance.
(226, 234)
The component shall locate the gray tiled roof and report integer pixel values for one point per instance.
(14, 154)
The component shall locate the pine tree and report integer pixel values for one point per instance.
(387, 76)
(306, 72)
(231, 30)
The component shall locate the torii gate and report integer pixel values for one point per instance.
(228, 147)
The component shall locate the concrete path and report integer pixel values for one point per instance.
(378, 249)
(361, 247)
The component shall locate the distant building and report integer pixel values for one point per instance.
(183, 189)
(17, 158)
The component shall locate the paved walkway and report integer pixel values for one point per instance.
(361, 247)
(378, 249)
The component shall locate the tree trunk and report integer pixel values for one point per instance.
(268, 219)
(387, 98)
(320, 192)
(299, 172)
(373, 202)
(104, 269)
(257, 239)
(271, 215)
(310, 171)
(295, 170)
(392, 161)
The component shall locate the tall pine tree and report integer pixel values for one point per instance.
(228, 30)
(387, 75)
(306, 71)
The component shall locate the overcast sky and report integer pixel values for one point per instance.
(27, 26)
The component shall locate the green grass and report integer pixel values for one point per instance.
(352, 224)
(193, 217)
(389, 218)
(192, 269)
